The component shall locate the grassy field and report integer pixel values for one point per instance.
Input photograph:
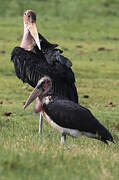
(88, 32)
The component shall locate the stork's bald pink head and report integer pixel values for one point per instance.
(29, 19)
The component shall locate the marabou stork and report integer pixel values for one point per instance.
(36, 57)
(68, 117)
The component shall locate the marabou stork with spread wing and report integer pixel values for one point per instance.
(68, 117)
(36, 57)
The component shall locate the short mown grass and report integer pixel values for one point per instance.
(87, 31)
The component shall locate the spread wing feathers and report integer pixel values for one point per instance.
(25, 66)
(55, 55)
(30, 67)
(51, 54)
(45, 45)
(70, 115)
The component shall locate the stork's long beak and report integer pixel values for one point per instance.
(34, 32)
(35, 93)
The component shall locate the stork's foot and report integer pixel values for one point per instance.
(63, 138)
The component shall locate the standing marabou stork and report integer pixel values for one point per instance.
(36, 57)
(67, 117)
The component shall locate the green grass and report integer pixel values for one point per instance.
(81, 28)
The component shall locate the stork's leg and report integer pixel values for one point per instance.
(63, 138)
(40, 124)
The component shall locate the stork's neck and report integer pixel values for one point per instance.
(46, 100)
(27, 40)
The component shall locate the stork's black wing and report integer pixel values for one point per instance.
(30, 67)
(68, 114)
(51, 53)
(45, 44)
(55, 55)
